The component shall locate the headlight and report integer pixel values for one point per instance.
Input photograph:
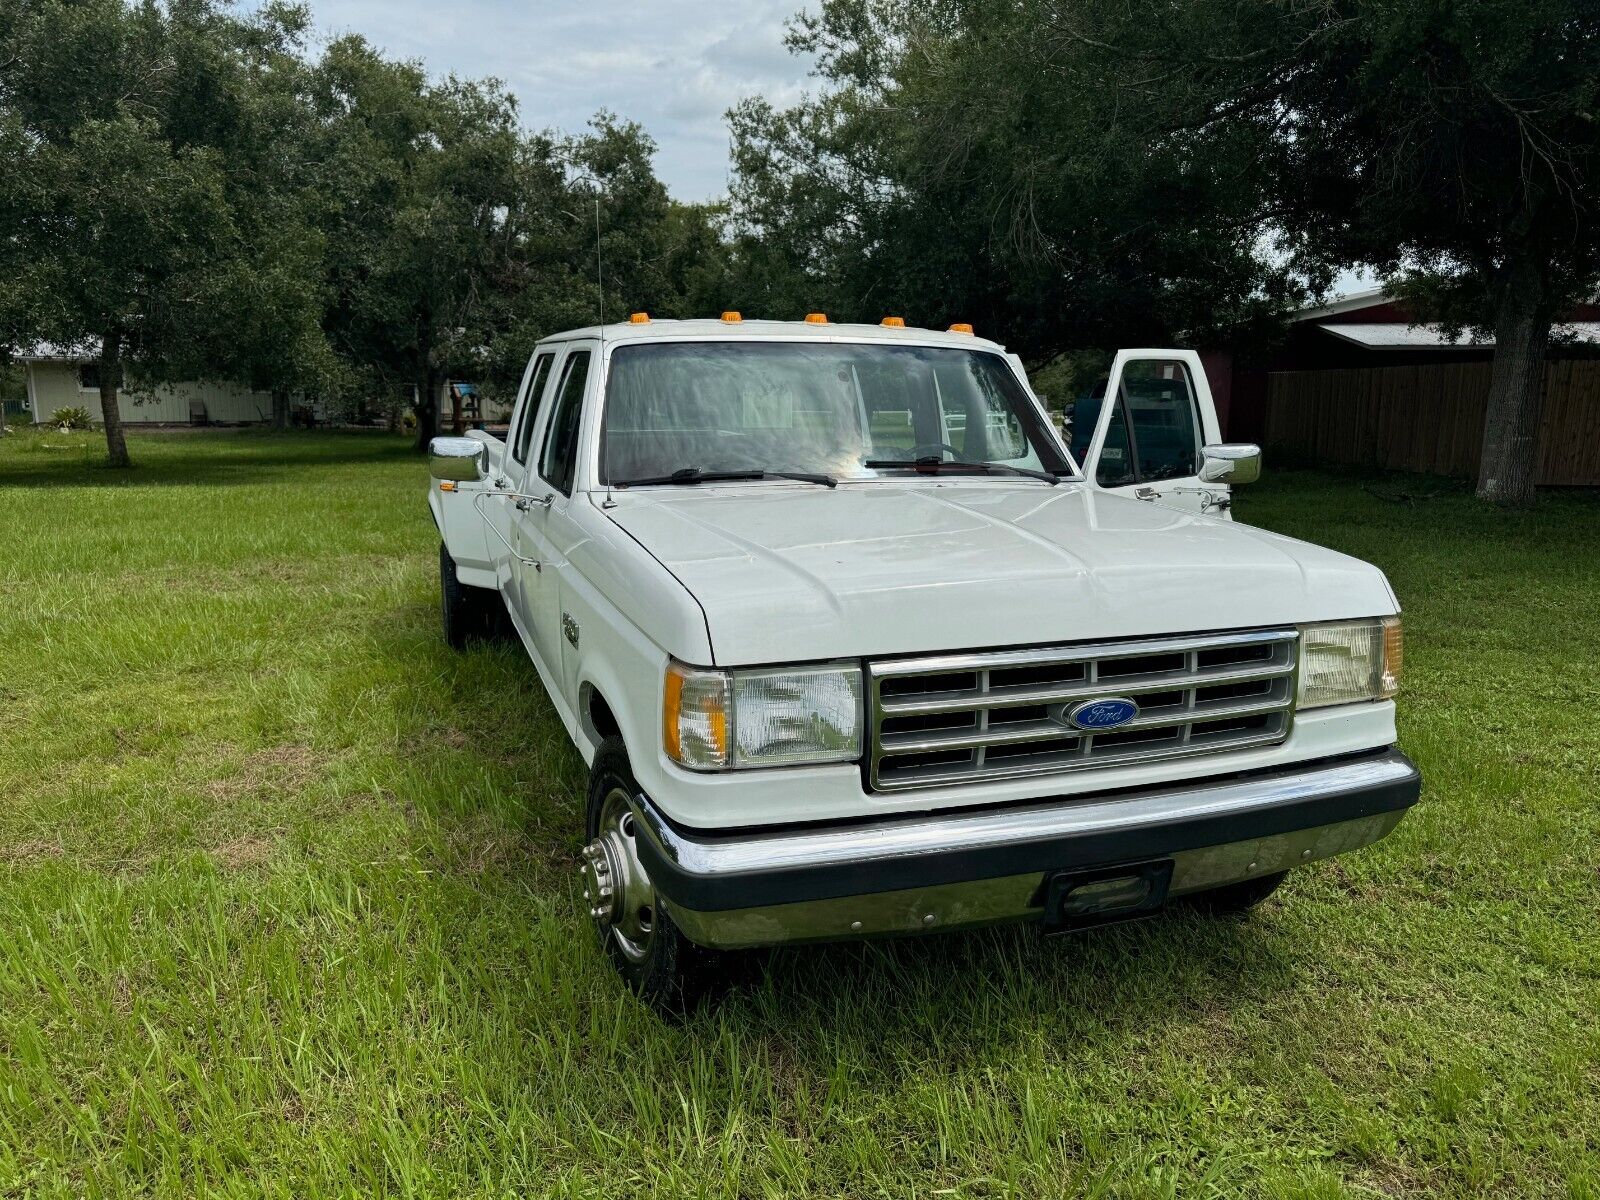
(764, 717)
(1349, 661)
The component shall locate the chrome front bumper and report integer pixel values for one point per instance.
(921, 873)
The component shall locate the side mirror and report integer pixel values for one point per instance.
(1230, 462)
(458, 458)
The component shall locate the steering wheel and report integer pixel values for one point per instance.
(927, 449)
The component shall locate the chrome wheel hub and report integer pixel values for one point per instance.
(621, 898)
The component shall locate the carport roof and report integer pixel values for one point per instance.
(83, 352)
(1397, 335)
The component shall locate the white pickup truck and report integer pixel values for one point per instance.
(855, 646)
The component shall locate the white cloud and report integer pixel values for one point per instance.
(675, 66)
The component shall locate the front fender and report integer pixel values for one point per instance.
(461, 529)
(633, 696)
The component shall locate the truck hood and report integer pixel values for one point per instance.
(796, 573)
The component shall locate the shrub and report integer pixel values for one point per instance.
(71, 418)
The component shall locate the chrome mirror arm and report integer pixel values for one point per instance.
(477, 503)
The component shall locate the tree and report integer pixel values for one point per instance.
(271, 293)
(422, 227)
(579, 195)
(1453, 146)
(118, 120)
(1458, 144)
(957, 167)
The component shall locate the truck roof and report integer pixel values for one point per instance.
(666, 329)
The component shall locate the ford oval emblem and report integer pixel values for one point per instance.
(1104, 712)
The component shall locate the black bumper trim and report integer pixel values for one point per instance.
(730, 890)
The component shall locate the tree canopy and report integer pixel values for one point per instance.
(186, 192)
(956, 167)
(1119, 171)
(187, 189)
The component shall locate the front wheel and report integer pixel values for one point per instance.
(468, 612)
(665, 969)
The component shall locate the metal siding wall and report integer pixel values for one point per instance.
(55, 385)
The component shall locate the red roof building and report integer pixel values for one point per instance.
(1363, 382)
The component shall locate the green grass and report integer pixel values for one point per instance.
(287, 899)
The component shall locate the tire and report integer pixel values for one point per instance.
(663, 968)
(1235, 898)
(468, 612)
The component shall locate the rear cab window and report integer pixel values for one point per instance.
(528, 411)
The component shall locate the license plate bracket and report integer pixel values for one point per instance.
(1076, 900)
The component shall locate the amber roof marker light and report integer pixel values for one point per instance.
(816, 318)
(961, 327)
(893, 322)
(732, 318)
(639, 319)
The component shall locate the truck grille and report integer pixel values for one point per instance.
(960, 717)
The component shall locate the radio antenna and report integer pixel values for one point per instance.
(599, 265)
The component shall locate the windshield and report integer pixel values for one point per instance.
(842, 411)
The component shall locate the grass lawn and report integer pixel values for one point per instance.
(288, 906)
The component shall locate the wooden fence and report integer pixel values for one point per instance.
(1429, 418)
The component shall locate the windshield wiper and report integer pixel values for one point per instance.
(686, 475)
(936, 464)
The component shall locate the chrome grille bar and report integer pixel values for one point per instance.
(957, 717)
(1002, 698)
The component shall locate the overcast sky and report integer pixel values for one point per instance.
(675, 66)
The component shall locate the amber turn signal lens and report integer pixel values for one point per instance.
(694, 717)
(447, 485)
(1394, 656)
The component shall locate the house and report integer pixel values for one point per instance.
(60, 377)
(1363, 382)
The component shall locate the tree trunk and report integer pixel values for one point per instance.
(427, 406)
(110, 413)
(1510, 457)
(280, 408)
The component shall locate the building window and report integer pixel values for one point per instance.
(89, 377)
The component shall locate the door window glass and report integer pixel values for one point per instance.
(530, 407)
(558, 463)
(1159, 400)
